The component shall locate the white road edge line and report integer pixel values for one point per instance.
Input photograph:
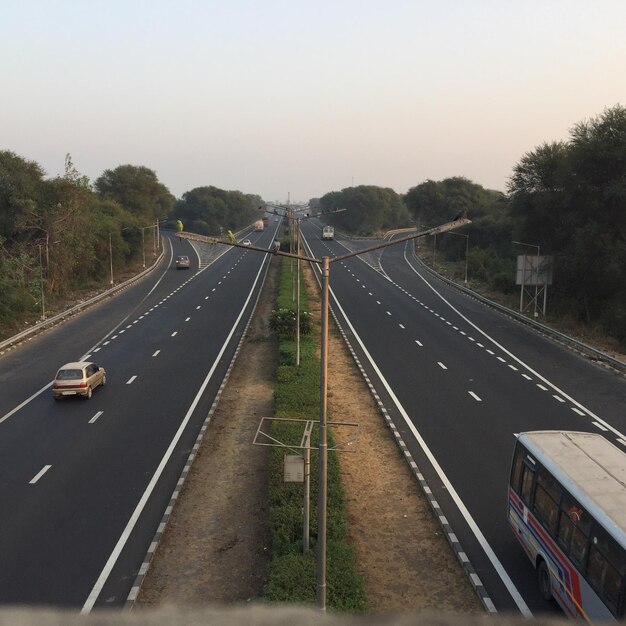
(491, 555)
(40, 474)
(121, 542)
(518, 360)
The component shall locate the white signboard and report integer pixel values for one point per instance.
(533, 270)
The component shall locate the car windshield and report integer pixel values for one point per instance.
(69, 374)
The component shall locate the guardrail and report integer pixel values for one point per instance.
(77, 308)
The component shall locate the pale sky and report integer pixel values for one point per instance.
(274, 97)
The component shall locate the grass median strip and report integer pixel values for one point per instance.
(292, 572)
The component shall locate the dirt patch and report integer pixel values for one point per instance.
(216, 547)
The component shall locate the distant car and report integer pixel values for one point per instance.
(182, 263)
(78, 379)
(246, 242)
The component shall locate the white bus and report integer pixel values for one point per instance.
(567, 507)
(328, 232)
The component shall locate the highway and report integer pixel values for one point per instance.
(459, 380)
(84, 483)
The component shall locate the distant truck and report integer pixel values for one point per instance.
(258, 225)
(265, 221)
(328, 232)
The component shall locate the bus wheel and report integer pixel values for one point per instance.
(543, 577)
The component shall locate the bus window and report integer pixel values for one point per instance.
(527, 483)
(516, 473)
(606, 568)
(547, 498)
(574, 528)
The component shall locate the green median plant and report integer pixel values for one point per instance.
(292, 572)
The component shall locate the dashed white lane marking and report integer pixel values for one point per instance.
(558, 398)
(526, 376)
(97, 349)
(597, 424)
(95, 417)
(141, 317)
(86, 357)
(131, 380)
(213, 289)
(579, 412)
(501, 359)
(369, 293)
(157, 352)
(388, 313)
(174, 333)
(471, 339)
(490, 352)
(129, 326)
(39, 474)
(480, 345)
(471, 393)
(122, 331)
(542, 387)
(198, 307)
(206, 297)
(114, 337)
(463, 332)
(513, 368)
(401, 326)
(187, 319)
(441, 365)
(622, 442)
(135, 321)
(419, 343)
(106, 343)
(377, 301)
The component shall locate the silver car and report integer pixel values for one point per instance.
(78, 379)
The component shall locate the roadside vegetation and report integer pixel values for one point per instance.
(64, 237)
(568, 198)
(292, 572)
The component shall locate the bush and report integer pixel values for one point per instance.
(283, 321)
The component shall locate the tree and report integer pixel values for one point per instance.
(138, 190)
(20, 183)
(370, 209)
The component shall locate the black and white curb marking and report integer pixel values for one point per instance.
(158, 535)
(455, 544)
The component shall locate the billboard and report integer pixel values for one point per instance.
(533, 270)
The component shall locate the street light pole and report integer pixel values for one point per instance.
(323, 435)
(323, 444)
(43, 307)
(111, 256)
(466, 250)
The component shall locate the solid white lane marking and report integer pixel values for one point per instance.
(419, 343)
(40, 474)
(157, 352)
(441, 365)
(95, 417)
(174, 333)
(121, 542)
(471, 393)
(516, 359)
(130, 380)
(491, 555)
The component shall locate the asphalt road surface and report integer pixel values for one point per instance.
(459, 380)
(84, 483)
